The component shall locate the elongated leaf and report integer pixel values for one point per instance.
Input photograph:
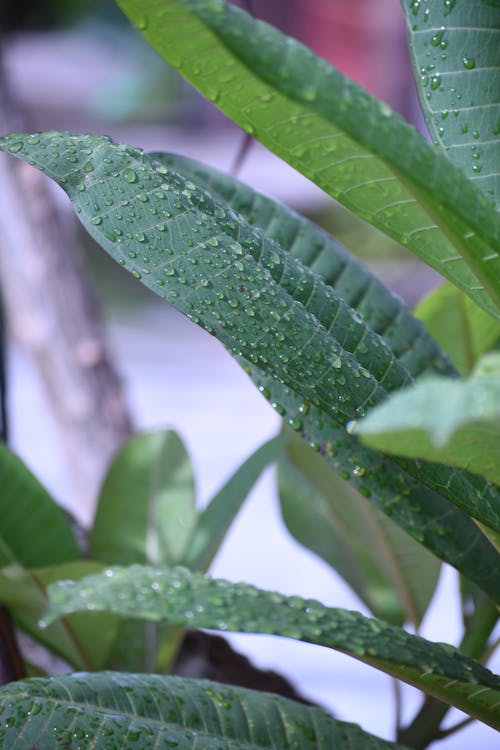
(82, 641)
(393, 575)
(455, 50)
(383, 312)
(182, 597)
(455, 422)
(458, 325)
(276, 314)
(33, 529)
(214, 521)
(146, 510)
(332, 131)
(138, 712)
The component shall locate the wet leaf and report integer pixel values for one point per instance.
(181, 597)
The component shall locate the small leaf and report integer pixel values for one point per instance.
(393, 575)
(459, 326)
(139, 712)
(33, 529)
(439, 419)
(214, 521)
(181, 597)
(146, 509)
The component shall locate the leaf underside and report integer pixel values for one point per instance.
(180, 597)
(139, 711)
(455, 51)
(311, 353)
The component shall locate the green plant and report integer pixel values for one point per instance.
(326, 344)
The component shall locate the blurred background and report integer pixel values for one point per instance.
(78, 65)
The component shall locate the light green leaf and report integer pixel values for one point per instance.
(181, 597)
(455, 50)
(463, 330)
(331, 130)
(33, 529)
(214, 521)
(146, 510)
(138, 712)
(456, 422)
(393, 575)
(81, 640)
(323, 364)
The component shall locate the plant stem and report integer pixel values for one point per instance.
(425, 726)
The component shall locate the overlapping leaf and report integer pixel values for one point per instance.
(33, 529)
(324, 365)
(138, 712)
(181, 597)
(452, 421)
(393, 575)
(146, 510)
(458, 325)
(455, 48)
(330, 129)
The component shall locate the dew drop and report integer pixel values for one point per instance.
(129, 175)
(96, 220)
(469, 62)
(16, 147)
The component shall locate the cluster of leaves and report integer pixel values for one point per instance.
(325, 343)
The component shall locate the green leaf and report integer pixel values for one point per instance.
(33, 529)
(454, 47)
(81, 640)
(331, 130)
(456, 422)
(214, 521)
(463, 330)
(393, 575)
(181, 597)
(146, 510)
(323, 364)
(138, 712)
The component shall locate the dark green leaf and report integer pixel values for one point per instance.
(33, 529)
(463, 330)
(456, 54)
(331, 130)
(181, 597)
(146, 510)
(111, 710)
(393, 575)
(324, 365)
(456, 422)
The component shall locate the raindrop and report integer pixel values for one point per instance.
(469, 62)
(129, 175)
(16, 147)
(96, 220)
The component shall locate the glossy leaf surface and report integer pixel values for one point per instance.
(33, 528)
(451, 421)
(146, 510)
(324, 365)
(455, 48)
(393, 575)
(331, 130)
(139, 712)
(464, 330)
(181, 597)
